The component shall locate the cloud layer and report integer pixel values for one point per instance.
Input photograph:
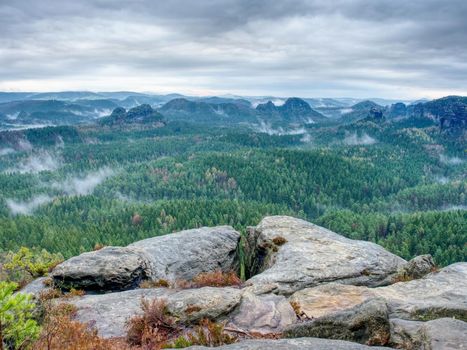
(361, 48)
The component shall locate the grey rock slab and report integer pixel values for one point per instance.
(266, 313)
(110, 268)
(191, 305)
(293, 344)
(438, 294)
(177, 256)
(307, 255)
(439, 334)
(184, 255)
(35, 287)
(367, 323)
(108, 313)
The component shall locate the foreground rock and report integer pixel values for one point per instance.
(294, 254)
(366, 323)
(111, 268)
(178, 256)
(108, 313)
(266, 313)
(439, 294)
(440, 334)
(293, 344)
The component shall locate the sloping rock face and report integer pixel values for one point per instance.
(439, 334)
(108, 313)
(439, 294)
(266, 313)
(293, 344)
(178, 256)
(294, 254)
(186, 254)
(367, 323)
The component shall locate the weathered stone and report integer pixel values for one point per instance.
(438, 294)
(36, 287)
(191, 305)
(328, 299)
(418, 267)
(185, 254)
(294, 254)
(440, 334)
(266, 313)
(366, 323)
(178, 256)
(293, 344)
(110, 268)
(108, 313)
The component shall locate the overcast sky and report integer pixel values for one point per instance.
(308, 48)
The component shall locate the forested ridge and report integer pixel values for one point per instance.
(67, 189)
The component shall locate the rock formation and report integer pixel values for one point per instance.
(310, 286)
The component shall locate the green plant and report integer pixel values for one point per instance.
(27, 264)
(17, 327)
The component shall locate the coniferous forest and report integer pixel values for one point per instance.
(136, 174)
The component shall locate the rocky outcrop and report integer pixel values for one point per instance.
(294, 254)
(293, 344)
(367, 323)
(304, 281)
(178, 256)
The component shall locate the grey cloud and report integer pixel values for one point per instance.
(295, 47)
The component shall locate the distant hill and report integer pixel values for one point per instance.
(143, 114)
(450, 113)
(361, 111)
(294, 110)
(198, 111)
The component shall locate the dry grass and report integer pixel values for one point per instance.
(155, 284)
(61, 332)
(154, 327)
(279, 240)
(217, 279)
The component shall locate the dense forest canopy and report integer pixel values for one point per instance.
(373, 174)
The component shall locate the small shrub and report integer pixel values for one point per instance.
(154, 284)
(279, 240)
(17, 326)
(217, 279)
(60, 331)
(207, 333)
(98, 246)
(154, 327)
(191, 309)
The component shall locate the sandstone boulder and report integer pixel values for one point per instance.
(108, 313)
(178, 256)
(192, 305)
(185, 254)
(266, 313)
(294, 254)
(110, 268)
(438, 294)
(439, 334)
(366, 323)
